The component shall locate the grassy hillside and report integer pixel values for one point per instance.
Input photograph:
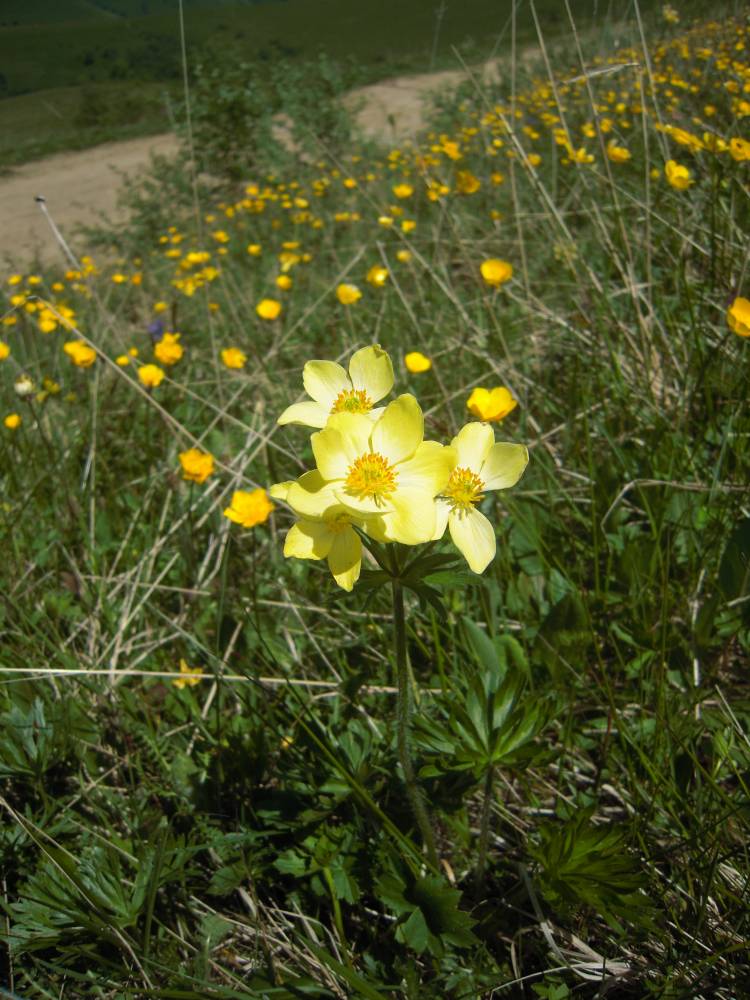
(431, 720)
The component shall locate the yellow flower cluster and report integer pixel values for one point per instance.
(376, 474)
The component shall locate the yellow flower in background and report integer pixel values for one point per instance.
(677, 175)
(268, 308)
(491, 405)
(669, 14)
(332, 390)
(169, 350)
(80, 353)
(190, 676)
(403, 190)
(329, 535)
(481, 465)
(233, 357)
(15, 279)
(123, 360)
(150, 375)
(249, 508)
(404, 256)
(197, 465)
(496, 272)
(284, 282)
(348, 294)
(467, 183)
(160, 307)
(738, 317)
(12, 421)
(416, 362)
(24, 386)
(617, 154)
(4, 350)
(382, 472)
(739, 150)
(377, 275)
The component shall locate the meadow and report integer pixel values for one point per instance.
(376, 595)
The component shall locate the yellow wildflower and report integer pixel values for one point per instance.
(332, 390)
(233, 357)
(481, 465)
(403, 190)
(249, 508)
(150, 375)
(268, 308)
(739, 150)
(348, 294)
(491, 404)
(416, 362)
(496, 272)
(4, 351)
(12, 421)
(80, 353)
(617, 154)
(169, 350)
(738, 317)
(467, 183)
(197, 465)
(189, 676)
(677, 175)
(377, 275)
(284, 282)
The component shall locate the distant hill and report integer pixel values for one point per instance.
(16, 13)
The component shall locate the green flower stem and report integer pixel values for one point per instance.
(403, 715)
(484, 830)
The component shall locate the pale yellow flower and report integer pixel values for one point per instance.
(249, 508)
(382, 472)
(332, 390)
(481, 465)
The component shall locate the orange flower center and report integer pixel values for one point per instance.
(352, 401)
(464, 489)
(371, 476)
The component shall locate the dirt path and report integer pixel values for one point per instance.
(79, 187)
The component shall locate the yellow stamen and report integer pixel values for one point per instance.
(371, 476)
(352, 401)
(464, 489)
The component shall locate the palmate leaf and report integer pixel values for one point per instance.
(583, 863)
(428, 912)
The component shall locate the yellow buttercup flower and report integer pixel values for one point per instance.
(739, 150)
(123, 360)
(348, 294)
(268, 308)
(496, 272)
(416, 362)
(481, 465)
(12, 421)
(189, 676)
(677, 175)
(169, 350)
(249, 508)
(738, 317)
(332, 390)
(80, 353)
(284, 282)
(377, 275)
(150, 375)
(617, 154)
(382, 472)
(403, 190)
(197, 465)
(233, 357)
(4, 351)
(491, 404)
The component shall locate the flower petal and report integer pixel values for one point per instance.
(504, 465)
(429, 469)
(309, 414)
(474, 537)
(323, 381)
(311, 496)
(442, 510)
(361, 506)
(412, 520)
(345, 558)
(371, 369)
(472, 443)
(399, 432)
(308, 540)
